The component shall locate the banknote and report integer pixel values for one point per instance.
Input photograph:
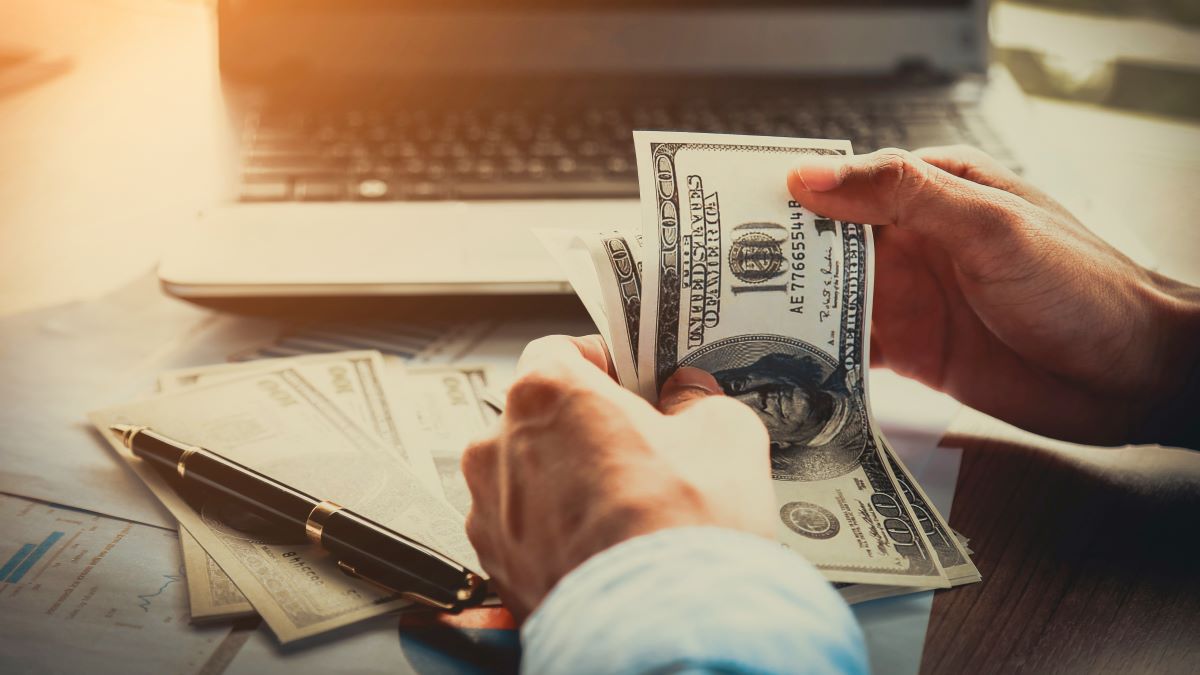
(605, 269)
(212, 595)
(742, 281)
(280, 424)
(450, 406)
(949, 546)
(353, 380)
(570, 251)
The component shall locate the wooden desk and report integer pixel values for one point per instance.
(1089, 558)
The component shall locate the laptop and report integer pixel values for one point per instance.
(410, 147)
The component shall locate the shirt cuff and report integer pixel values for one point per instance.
(695, 598)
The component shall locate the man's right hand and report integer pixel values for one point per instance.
(989, 290)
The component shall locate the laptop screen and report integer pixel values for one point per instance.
(269, 39)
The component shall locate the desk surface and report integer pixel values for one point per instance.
(1088, 555)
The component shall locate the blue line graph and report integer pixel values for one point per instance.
(144, 599)
(30, 559)
(14, 561)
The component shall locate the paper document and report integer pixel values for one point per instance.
(82, 593)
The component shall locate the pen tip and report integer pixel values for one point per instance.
(125, 432)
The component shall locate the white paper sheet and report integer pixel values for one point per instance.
(84, 593)
(57, 364)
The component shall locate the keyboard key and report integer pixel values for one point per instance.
(310, 189)
(425, 190)
(265, 190)
(372, 188)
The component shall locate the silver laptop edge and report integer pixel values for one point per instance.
(481, 248)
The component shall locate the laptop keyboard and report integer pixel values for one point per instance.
(526, 153)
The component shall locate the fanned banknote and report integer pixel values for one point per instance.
(279, 423)
(605, 269)
(733, 276)
(349, 379)
(450, 411)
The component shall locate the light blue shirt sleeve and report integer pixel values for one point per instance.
(695, 599)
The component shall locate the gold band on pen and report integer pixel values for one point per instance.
(127, 434)
(181, 465)
(314, 526)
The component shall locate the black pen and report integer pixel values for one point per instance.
(362, 547)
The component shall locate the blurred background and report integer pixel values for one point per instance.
(109, 119)
(1135, 55)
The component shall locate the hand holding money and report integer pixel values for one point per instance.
(580, 464)
(989, 290)
(733, 276)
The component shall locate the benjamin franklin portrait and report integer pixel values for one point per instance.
(806, 402)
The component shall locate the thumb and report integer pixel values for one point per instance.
(895, 187)
(685, 387)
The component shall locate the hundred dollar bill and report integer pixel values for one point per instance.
(948, 545)
(451, 411)
(212, 595)
(773, 300)
(280, 424)
(362, 383)
(605, 269)
(353, 381)
(954, 555)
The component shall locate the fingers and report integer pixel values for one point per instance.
(480, 467)
(714, 433)
(684, 388)
(894, 187)
(975, 165)
(555, 351)
(971, 164)
(593, 349)
(555, 368)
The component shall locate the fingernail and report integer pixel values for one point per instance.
(819, 174)
(693, 378)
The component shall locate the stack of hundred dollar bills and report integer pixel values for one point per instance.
(729, 274)
(357, 427)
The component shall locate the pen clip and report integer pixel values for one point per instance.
(463, 596)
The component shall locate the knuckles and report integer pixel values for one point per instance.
(538, 391)
(479, 460)
(475, 529)
(732, 417)
(893, 171)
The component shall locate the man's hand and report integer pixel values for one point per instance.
(580, 464)
(989, 290)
